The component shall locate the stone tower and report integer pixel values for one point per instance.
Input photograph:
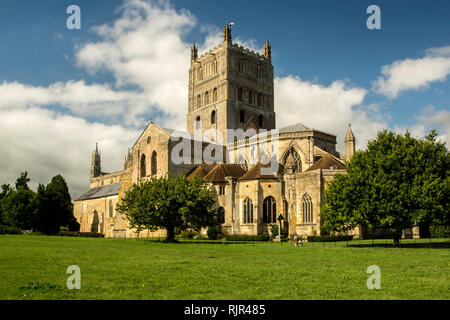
(349, 143)
(96, 169)
(230, 87)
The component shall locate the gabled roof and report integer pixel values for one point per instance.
(100, 192)
(200, 171)
(220, 171)
(327, 162)
(256, 172)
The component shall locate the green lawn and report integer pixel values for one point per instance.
(34, 267)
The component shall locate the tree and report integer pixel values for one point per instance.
(48, 215)
(58, 191)
(19, 209)
(398, 182)
(22, 181)
(170, 202)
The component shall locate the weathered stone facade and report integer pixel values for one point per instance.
(230, 87)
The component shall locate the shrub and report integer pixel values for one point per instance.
(214, 232)
(329, 238)
(188, 234)
(9, 230)
(274, 230)
(73, 225)
(439, 231)
(245, 237)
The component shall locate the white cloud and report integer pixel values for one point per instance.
(327, 108)
(414, 73)
(436, 119)
(145, 48)
(46, 143)
(77, 96)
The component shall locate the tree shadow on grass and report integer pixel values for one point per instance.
(408, 245)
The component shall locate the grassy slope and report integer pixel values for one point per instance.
(136, 269)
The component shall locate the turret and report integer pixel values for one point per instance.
(268, 51)
(227, 32)
(194, 52)
(96, 170)
(349, 143)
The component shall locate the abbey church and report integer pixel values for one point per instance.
(262, 174)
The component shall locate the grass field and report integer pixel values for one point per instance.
(34, 267)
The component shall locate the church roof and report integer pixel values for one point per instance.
(201, 171)
(327, 162)
(295, 127)
(256, 172)
(100, 192)
(221, 171)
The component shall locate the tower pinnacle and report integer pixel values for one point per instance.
(227, 32)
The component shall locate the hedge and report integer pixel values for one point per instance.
(329, 238)
(245, 237)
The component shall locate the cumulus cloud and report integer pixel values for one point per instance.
(414, 73)
(46, 143)
(327, 108)
(145, 48)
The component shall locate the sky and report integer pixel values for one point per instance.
(62, 91)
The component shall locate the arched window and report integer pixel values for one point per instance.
(206, 97)
(154, 162)
(143, 166)
(199, 101)
(269, 210)
(250, 97)
(259, 100)
(213, 117)
(307, 208)
(240, 94)
(242, 116)
(198, 124)
(200, 74)
(248, 210)
(111, 209)
(260, 120)
(215, 95)
(221, 215)
(215, 66)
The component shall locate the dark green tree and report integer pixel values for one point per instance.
(48, 215)
(6, 189)
(58, 192)
(22, 181)
(398, 182)
(170, 202)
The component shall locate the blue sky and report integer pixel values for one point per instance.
(328, 67)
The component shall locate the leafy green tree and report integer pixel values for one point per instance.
(398, 182)
(19, 209)
(170, 202)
